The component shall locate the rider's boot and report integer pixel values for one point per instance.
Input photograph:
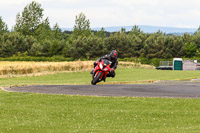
(92, 71)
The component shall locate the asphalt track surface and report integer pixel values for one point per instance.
(165, 89)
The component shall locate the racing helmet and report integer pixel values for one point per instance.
(113, 54)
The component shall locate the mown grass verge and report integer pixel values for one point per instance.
(123, 76)
(26, 112)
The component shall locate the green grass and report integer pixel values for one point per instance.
(122, 75)
(26, 112)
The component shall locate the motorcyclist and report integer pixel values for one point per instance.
(111, 57)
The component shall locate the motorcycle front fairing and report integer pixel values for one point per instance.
(104, 67)
(98, 69)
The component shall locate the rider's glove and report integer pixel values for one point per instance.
(95, 63)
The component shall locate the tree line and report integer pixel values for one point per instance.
(32, 35)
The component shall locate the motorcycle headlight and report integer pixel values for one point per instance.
(101, 66)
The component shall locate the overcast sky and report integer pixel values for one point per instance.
(104, 13)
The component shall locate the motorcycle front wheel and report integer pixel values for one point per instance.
(96, 79)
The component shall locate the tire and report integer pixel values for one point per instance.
(96, 79)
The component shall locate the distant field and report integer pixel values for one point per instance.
(13, 69)
(8, 68)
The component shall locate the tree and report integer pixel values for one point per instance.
(101, 33)
(12, 43)
(190, 49)
(137, 38)
(28, 21)
(57, 33)
(135, 30)
(123, 30)
(94, 47)
(36, 49)
(198, 31)
(197, 38)
(154, 46)
(120, 42)
(43, 31)
(78, 47)
(55, 48)
(82, 26)
(3, 26)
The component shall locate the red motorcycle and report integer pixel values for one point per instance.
(101, 71)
